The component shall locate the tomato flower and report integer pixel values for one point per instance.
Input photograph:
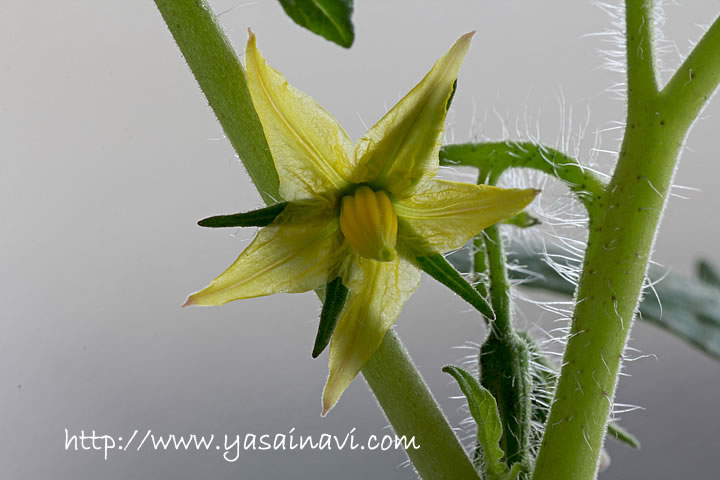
(362, 213)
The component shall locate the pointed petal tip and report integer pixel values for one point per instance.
(188, 303)
(329, 399)
(467, 38)
(326, 408)
(251, 37)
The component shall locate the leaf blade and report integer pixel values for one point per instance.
(484, 410)
(331, 19)
(707, 273)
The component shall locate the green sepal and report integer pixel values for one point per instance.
(484, 410)
(256, 218)
(437, 267)
(623, 436)
(452, 95)
(335, 296)
(328, 18)
(522, 220)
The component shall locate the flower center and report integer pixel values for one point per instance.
(369, 223)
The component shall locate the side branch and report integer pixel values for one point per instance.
(639, 26)
(496, 157)
(694, 82)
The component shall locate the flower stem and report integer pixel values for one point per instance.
(499, 283)
(619, 245)
(479, 254)
(479, 262)
(399, 388)
(504, 357)
(496, 157)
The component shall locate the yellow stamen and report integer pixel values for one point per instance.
(369, 223)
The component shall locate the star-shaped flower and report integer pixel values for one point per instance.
(361, 213)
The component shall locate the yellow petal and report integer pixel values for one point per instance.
(378, 291)
(311, 151)
(444, 215)
(298, 252)
(401, 150)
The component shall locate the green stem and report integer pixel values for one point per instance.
(641, 76)
(499, 283)
(619, 245)
(496, 157)
(479, 255)
(504, 357)
(399, 388)
(412, 411)
(479, 262)
(694, 82)
(221, 77)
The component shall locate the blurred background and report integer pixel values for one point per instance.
(109, 154)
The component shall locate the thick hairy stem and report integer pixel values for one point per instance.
(412, 411)
(619, 246)
(221, 77)
(400, 390)
(639, 33)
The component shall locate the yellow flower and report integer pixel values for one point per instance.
(360, 212)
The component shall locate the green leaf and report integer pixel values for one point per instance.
(707, 273)
(255, 218)
(516, 470)
(335, 295)
(327, 18)
(485, 412)
(437, 267)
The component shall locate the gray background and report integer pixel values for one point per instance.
(110, 154)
